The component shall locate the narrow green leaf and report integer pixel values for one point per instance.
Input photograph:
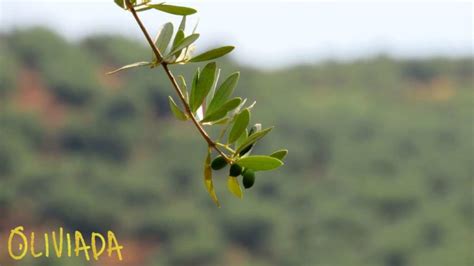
(179, 37)
(241, 139)
(121, 3)
(223, 110)
(183, 87)
(175, 10)
(137, 64)
(213, 54)
(252, 139)
(224, 92)
(259, 162)
(163, 38)
(176, 110)
(248, 150)
(203, 86)
(280, 154)
(240, 125)
(183, 44)
(182, 24)
(192, 95)
(211, 93)
(208, 183)
(234, 187)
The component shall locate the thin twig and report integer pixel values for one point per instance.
(171, 77)
(225, 147)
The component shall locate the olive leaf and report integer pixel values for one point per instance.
(248, 149)
(137, 64)
(183, 43)
(241, 139)
(223, 93)
(208, 183)
(163, 38)
(223, 110)
(240, 125)
(212, 54)
(260, 162)
(212, 92)
(280, 154)
(176, 110)
(178, 38)
(174, 10)
(252, 139)
(123, 3)
(202, 86)
(182, 86)
(234, 187)
(182, 24)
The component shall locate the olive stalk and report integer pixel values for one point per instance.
(172, 79)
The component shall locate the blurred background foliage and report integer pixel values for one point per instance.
(380, 168)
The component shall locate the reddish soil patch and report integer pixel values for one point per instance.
(32, 95)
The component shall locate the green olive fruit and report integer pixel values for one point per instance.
(248, 178)
(218, 163)
(235, 170)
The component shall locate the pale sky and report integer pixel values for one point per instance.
(273, 34)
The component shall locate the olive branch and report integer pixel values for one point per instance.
(207, 104)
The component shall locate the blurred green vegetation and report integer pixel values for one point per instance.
(380, 168)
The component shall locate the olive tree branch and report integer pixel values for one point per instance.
(159, 58)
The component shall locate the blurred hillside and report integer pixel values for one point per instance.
(380, 170)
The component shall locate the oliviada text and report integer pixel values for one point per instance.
(59, 244)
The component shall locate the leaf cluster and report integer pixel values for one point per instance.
(207, 102)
